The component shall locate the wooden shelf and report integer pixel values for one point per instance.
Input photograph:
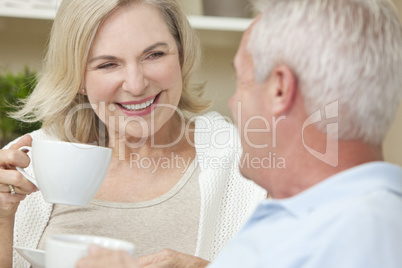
(198, 22)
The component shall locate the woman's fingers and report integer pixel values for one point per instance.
(7, 200)
(17, 180)
(11, 196)
(11, 158)
(100, 257)
(14, 157)
(25, 140)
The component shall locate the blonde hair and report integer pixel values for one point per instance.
(72, 34)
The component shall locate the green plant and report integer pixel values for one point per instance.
(12, 88)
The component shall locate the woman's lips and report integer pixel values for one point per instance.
(139, 108)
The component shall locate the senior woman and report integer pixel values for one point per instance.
(117, 74)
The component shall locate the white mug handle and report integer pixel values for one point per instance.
(23, 172)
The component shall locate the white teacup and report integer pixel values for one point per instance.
(67, 173)
(64, 250)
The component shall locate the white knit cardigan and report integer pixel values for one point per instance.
(227, 199)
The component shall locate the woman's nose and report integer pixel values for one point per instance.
(135, 81)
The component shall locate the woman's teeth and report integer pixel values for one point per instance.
(136, 107)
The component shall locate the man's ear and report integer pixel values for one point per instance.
(283, 86)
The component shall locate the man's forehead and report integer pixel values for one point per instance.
(242, 52)
(247, 34)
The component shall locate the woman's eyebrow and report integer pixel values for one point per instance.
(107, 57)
(102, 57)
(154, 46)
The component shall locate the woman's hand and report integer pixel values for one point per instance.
(9, 159)
(100, 257)
(171, 259)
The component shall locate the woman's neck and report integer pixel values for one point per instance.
(175, 136)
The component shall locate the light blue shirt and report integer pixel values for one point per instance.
(352, 219)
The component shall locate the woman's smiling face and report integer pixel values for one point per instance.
(133, 77)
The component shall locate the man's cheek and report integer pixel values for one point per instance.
(233, 107)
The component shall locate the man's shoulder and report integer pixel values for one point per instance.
(352, 220)
(370, 193)
(375, 208)
(366, 230)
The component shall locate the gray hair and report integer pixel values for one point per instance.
(348, 51)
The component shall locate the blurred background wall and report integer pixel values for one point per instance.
(23, 42)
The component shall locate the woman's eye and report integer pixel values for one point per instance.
(106, 66)
(156, 55)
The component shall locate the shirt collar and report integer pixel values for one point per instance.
(348, 183)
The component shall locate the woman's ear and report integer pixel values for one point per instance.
(83, 91)
(283, 86)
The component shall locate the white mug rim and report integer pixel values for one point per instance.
(79, 145)
(82, 241)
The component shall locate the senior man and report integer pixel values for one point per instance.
(332, 70)
(318, 85)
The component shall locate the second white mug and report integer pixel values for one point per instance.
(65, 250)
